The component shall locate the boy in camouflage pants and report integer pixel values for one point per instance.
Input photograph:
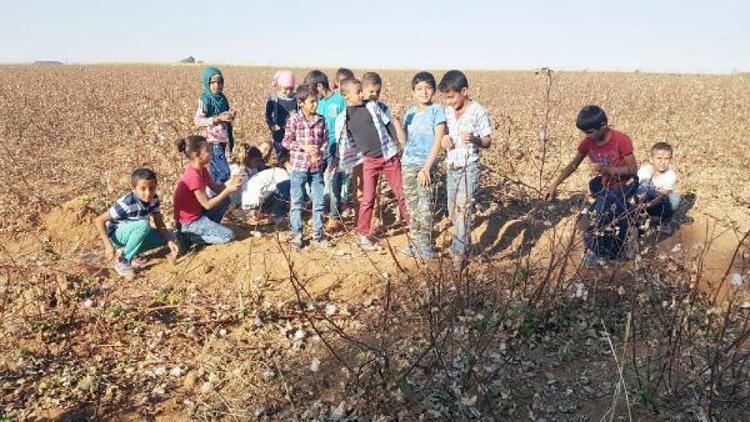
(424, 127)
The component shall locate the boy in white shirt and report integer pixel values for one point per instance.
(657, 187)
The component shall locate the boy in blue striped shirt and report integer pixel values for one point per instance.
(125, 229)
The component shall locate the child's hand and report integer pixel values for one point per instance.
(275, 128)
(424, 177)
(331, 170)
(235, 183)
(446, 142)
(466, 137)
(597, 169)
(222, 117)
(313, 152)
(174, 250)
(550, 193)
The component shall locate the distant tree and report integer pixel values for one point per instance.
(188, 59)
(48, 62)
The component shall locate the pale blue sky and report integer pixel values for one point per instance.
(650, 35)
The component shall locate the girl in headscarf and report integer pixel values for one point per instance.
(215, 116)
(281, 104)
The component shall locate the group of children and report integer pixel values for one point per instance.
(332, 143)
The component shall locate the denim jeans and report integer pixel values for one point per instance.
(298, 180)
(333, 192)
(462, 184)
(348, 192)
(219, 166)
(208, 229)
(661, 210)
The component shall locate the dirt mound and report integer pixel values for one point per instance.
(72, 221)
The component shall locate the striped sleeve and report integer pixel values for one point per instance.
(156, 205)
(119, 210)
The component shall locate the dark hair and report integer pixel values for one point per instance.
(423, 77)
(315, 77)
(306, 90)
(142, 173)
(349, 81)
(591, 117)
(662, 146)
(453, 80)
(346, 73)
(190, 145)
(253, 152)
(371, 78)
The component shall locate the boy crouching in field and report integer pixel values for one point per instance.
(656, 191)
(126, 230)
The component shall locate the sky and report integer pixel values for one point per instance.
(648, 35)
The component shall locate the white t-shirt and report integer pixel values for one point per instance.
(261, 186)
(234, 169)
(476, 120)
(666, 181)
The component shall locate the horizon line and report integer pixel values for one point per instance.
(360, 67)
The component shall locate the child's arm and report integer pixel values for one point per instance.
(202, 120)
(400, 130)
(233, 185)
(165, 234)
(424, 174)
(480, 141)
(564, 174)
(629, 168)
(200, 117)
(270, 108)
(100, 222)
(290, 140)
(323, 149)
(393, 132)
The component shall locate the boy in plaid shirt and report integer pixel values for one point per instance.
(306, 138)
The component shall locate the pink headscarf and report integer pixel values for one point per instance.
(283, 78)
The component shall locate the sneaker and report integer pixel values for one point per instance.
(428, 253)
(321, 242)
(408, 250)
(124, 269)
(296, 241)
(590, 260)
(365, 243)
